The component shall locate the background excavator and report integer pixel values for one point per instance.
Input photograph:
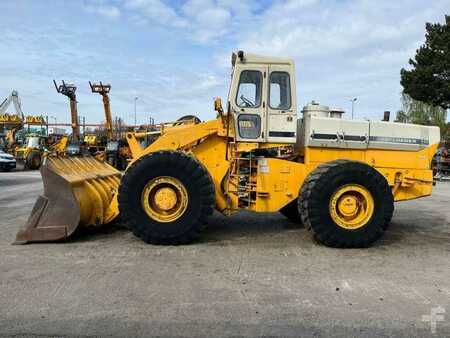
(338, 177)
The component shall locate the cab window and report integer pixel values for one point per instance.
(280, 91)
(249, 90)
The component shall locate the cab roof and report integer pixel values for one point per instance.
(245, 58)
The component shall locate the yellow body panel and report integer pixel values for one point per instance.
(211, 153)
(173, 138)
(278, 183)
(375, 157)
(411, 169)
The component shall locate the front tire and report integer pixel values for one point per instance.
(33, 161)
(166, 197)
(346, 204)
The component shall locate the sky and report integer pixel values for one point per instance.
(175, 55)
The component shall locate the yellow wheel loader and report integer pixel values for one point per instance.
(338, 177)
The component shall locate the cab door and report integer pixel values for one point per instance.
(248, 101)
(281, 105)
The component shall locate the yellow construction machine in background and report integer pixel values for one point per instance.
(10, 124)
(114, 150)
(35, 147)
(338, 177)
(31, 152)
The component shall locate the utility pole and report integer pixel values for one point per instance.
(353, 106)
(135, 120)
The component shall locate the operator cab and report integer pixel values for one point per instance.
(262, 98)
(34, 141)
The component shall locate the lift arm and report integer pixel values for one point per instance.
(103, 90)
(69, 91)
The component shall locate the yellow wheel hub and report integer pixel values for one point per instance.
(164, 199)
(351, 206)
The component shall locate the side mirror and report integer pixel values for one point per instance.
(218, 105)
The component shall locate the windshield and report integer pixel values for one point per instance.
(32, 142)
(249, 90)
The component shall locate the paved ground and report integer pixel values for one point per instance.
(250, 275)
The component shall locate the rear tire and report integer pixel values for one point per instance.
(317, 193)
(194, 182)
(388, 213)
(291, 212)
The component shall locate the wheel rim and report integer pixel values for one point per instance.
(164, 199)
(351, 206)
(36, 161)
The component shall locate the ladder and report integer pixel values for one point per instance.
(242, 178)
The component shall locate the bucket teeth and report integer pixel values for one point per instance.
(78, 192)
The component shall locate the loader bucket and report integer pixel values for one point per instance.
(78, 192)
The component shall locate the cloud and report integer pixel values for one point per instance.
(156, 11)
(111, 12)
(201, 21)
(207, 22)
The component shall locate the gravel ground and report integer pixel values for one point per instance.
(249, 275)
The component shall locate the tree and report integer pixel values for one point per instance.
(418, 112)
(402, 116)
(429, 78)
